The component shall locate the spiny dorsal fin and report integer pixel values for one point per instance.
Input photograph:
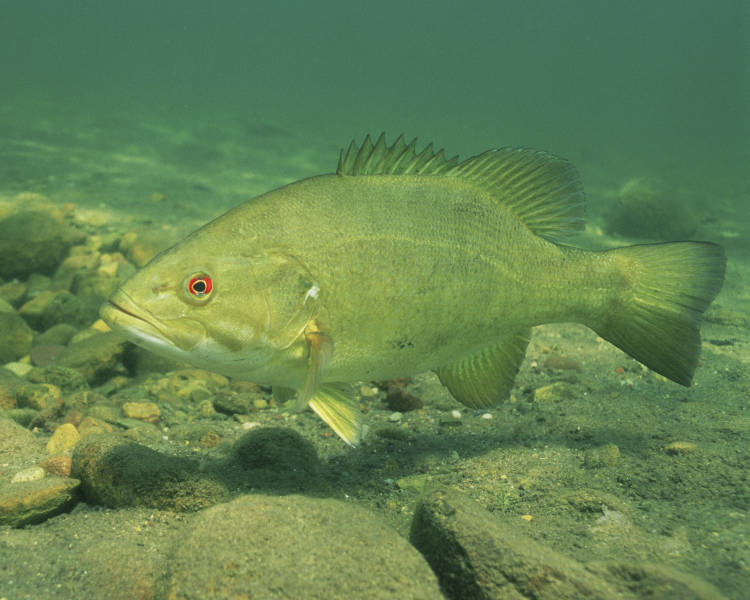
(399, 158)
(544, 191)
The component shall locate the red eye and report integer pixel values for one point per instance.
(200, 286)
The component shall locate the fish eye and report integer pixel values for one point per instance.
(199, 286)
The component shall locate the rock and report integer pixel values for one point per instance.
(679, 447)
(59, 334)
(5, 306)
(64, 438)
(554, 392)
(562, 363)
(45, 355)
(143, 411)
(603, 456)
(18, 368)
(44, 397)
(649, 580)
(398, 400)
(30, 474)
(13, 292)
(644, 209)
(67, 379)
(16, 337)
(141, 245)
(477, 555)
(229, 402)
(295, 547)
(279, 458)
(36, 501)
(96, 357)
(19, 448)
(117, 472)
(92, 426)
(50, 308)
(97, 554)
(32, 242)
(10, 384)
(58, 465)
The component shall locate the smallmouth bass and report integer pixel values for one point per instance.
(402, 262)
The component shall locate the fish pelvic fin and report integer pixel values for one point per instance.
(542, 190)
(485, 378)
(338, 407)
(666, 289)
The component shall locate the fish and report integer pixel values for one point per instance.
(402, 262)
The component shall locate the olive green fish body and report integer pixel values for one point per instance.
(403, 262)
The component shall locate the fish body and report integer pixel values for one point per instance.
(403, 262)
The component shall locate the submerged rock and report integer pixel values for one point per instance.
(296, 547)
(477, 555)
(645, 210)
(16, 337)
(32, 242)
(36, 500)
(115, 471)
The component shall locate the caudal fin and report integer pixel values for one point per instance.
(656, 319)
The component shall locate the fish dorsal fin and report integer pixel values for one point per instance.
(544, 191)
(399, 158)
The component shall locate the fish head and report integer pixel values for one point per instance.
(231, 312)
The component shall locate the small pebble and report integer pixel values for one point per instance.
(30, 474)
(143, 411)
(486, 415)
(678, 448)
(456, 414)
(395, 417)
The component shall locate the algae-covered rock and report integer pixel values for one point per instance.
(277, 457)
(96, 357)
(296, 547)
(646, 210)
(649, 580)
(477, 555)
(36, 501)
(115, 471)
(16, 337)
(67, 379)
(32, 242)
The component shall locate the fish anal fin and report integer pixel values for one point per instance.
(338, 407)
(485, 378)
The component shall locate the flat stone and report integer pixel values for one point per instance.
(478, 555)
(295, 547)
(143, 411)
(36, 501)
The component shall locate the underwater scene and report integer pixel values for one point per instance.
(262, 337)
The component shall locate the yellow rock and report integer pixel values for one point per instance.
(144, 411)
(92, 425)
(65, 437)
(100, 325)
(679, 447)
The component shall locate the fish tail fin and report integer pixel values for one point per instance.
(666, 289)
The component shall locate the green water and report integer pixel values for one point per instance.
(174, 111)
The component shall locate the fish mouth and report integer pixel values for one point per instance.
(124, 316)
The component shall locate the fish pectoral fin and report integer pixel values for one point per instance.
(484, 379)
(338, 407)
(320, 351)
